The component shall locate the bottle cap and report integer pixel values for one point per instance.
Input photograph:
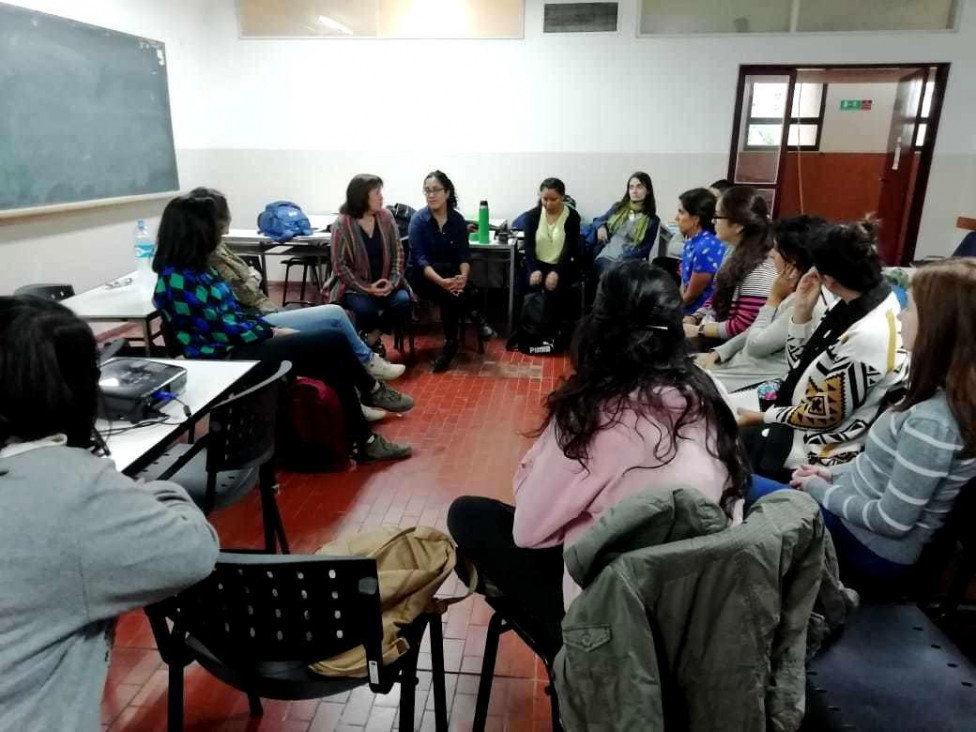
(484, 203)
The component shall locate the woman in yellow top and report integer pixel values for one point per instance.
(552, 232)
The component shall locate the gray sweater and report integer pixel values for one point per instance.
(897, 493)
(80, 544)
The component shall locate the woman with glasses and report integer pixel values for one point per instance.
(440, 268)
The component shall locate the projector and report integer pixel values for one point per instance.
(133, 389)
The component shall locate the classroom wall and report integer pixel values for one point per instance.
(296, 119)
(858, 131)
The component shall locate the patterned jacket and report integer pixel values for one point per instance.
(350, 261)
(841, 392)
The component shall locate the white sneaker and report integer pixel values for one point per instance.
(382, 370)
(373, 414)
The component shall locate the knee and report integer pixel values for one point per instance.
(464, 515)
(401, 299)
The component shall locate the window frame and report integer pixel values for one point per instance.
(818, 121)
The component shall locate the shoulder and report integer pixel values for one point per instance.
(574, 215)
(420, 218)
(457, 218)
(878, 329)
(64, 474)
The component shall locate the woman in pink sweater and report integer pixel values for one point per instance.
(636, 415)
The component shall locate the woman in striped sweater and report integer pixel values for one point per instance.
(747, 274)
(883, 507)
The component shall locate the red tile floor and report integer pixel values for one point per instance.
(467, 432)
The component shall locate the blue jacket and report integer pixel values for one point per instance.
(642, 251)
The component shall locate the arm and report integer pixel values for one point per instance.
(732, 346)
(751, 296)
(228, 323)
(418, 245)
(925, 450)
(643, 250)
(767, 335)
(531, 225)
(697, 284)
(571, 244)
(344, 257)
(397, 263)
(240, 277)
(138, 544)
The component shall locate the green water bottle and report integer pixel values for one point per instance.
(483, 232)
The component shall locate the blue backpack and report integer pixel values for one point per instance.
(283, 221)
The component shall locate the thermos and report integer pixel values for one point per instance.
(483, 231)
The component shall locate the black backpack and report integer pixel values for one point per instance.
(537, 332)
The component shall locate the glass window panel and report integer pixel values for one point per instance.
(714, 16)
(864, 15)
(768, 99)
(927, 99)
(920, 137)
(764, 135)
(806, 100)
(805, 135)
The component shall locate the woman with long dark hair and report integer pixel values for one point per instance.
(703, 251)
(629, 228)
(746, 276)
(887, 505)
(635, 415)
(82, 544)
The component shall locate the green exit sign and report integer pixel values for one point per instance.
(855, 105)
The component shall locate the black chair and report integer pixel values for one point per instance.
(308, 264)
(259, 620)
(237, 451)
(47, 291)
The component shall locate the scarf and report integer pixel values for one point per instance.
(623, 213)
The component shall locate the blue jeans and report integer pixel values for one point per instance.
(322, 317)
(379, 313)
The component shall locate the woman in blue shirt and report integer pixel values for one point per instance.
(440, 266)
(703, 251)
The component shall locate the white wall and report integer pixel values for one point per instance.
(858, 130)
(268, 119)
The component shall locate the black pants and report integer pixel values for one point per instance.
(530, 579)
(452, 306)
(324, 355)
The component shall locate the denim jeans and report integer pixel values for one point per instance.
(323, 317)
(379, 313)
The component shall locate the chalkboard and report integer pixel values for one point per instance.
(84, 113)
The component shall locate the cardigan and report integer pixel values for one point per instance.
(243, 280)
(839, 394)
(571, 229)
(350, 262)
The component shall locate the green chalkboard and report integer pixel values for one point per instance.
(84, 113)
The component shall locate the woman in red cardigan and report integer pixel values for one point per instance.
(368, 262)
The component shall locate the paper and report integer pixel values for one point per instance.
(745, 400)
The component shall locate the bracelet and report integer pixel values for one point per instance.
(701, 330)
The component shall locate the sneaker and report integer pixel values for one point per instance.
(382, 370)
(379, 448)
(373, 414)
(443, 361)
(389, 399)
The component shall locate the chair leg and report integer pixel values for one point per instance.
(408, 690)
(284, 293)
(254, 705)
(174, 701)
(554, 706)
(495, 629)
(437, 673)
(274, 530)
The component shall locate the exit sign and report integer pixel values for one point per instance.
(855, 105)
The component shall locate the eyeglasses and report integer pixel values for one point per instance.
(433, 191)
(718, 216)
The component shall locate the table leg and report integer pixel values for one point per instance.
(511, 289)
(147, 335)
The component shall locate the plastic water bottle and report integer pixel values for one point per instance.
(483, 232)
(144, 248)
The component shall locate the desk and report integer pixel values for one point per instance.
(206, 382)
(509, 250)
(111, 303)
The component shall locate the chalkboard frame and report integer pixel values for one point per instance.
(9, 214)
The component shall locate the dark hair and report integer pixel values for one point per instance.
(357, 194)
(849, 254)
(188, 233)
(650, 206)
(944, 354)
(794, 237)
(722, 185)
(554, 184)
(700, 202)
(220, 203)
(747, 207)
(441, 177)
(633, 341)
(48, 372)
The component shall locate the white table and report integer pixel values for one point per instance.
(126, 299)
(206, 382)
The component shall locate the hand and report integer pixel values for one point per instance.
(807, 292)
(707, 360)
(382, 288)
(691, 330)
(462, 279)
(602, 234)
(283, 332)
(749, 418)
(552, 281)
(535, 279)
(784, 285)
(803, 474)
(690, 319)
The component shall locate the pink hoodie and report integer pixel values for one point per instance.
(556, 499)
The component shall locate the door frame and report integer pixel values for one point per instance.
(941, 78)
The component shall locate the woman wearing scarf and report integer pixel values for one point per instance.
(628, 229)
(842, 370)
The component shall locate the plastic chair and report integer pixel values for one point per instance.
(259, 620)
(308, 264)
(238, 450)
(47, 291)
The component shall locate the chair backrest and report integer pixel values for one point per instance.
(242, 428)
(954, 545)
(967, 247)
(273, 607)
(46, 291)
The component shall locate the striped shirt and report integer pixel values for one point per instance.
(747, 300)
(897, 493)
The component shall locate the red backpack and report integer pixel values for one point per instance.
(312, 438)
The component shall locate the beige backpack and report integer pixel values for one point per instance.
(411, 565)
